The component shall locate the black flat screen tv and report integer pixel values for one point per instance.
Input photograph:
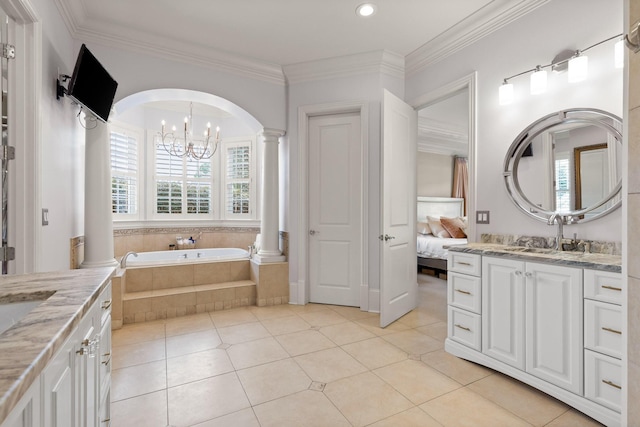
(91, 85)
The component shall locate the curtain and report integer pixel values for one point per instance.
(460, 180)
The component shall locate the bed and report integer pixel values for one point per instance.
(430, 248)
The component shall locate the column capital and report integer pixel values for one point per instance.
(272, 134)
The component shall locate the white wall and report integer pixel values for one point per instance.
(434, 175)
(534, 39)
(367, 88)
(62, 147)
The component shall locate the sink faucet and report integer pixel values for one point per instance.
(123, 261)
(558, 219)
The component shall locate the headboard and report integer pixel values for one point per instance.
(439, 206)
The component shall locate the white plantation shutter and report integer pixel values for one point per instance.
(124, 173)
(563, 183)
(238, 180)
(183, 186)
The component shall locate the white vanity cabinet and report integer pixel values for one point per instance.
(532, 315)
(73, 389)
(464, 299)
(554, 326)
(603, 328)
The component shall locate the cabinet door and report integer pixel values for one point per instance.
(503, 310)
(27, 411)
(554, 324)
(59, 391)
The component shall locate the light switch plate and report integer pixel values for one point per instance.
(45, 216)
(482, 217)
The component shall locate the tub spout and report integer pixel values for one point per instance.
(123, 261)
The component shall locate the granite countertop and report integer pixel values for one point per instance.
(604, 262)
(27, 347)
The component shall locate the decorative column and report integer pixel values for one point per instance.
(98, 225)
(270, 249)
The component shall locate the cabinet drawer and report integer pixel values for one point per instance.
(603, 286)
(603, 379)
(464, 327)
(603, 327)
(463, 291)
(462, 262)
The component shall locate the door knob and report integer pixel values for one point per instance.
(313, 232)
(385, 237)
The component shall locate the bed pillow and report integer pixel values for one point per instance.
(423, 228)
(436, 227)
(454, 226)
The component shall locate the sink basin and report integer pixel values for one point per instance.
(12, 312)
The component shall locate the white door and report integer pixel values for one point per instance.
(398, 272)
(503, 310)
(554, 324)
(335, 209)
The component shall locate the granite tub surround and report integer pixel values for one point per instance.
(595, 261)
(27, 347)
(595, 246)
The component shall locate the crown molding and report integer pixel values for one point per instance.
(380, 62)
(483, 22)
(83, 29)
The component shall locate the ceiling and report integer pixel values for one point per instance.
(282, 32)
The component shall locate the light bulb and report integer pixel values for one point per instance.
(538, 82)
(578, 68)
(366, 9)
(619, 54)
(505, 93)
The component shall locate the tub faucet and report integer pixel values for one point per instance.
(558, 219)
(123, 261)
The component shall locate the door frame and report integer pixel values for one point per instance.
(468, 82)
(300, 294)
(25, 135)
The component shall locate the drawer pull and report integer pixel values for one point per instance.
(611, 330)
(613, 288)
(106, 304)
(463, 292)
(612, 384)
(464, 263)
(464, 328)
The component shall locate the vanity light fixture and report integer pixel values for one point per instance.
(366, 9)
(578, 68)
(505, 94)
(538, 81)
(575, 61)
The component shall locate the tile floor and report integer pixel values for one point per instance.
(314, 365)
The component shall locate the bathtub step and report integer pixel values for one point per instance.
(173, 302)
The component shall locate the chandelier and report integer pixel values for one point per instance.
(187, 145)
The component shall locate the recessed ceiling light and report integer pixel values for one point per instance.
(366, 9)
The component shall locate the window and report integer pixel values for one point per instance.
(124, 172)
(183, 186)
(563, 183)
(238, 179)
(150, 184)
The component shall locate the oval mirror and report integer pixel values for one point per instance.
(567, 163)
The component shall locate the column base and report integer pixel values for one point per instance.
(97, 264)
(267, 258)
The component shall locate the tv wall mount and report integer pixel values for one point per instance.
(61, 91)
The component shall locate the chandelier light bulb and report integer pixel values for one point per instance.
(505, 93)
(578, 68)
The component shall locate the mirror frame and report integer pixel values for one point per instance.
(588, 116)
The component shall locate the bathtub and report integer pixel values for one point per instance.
(186, 256)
